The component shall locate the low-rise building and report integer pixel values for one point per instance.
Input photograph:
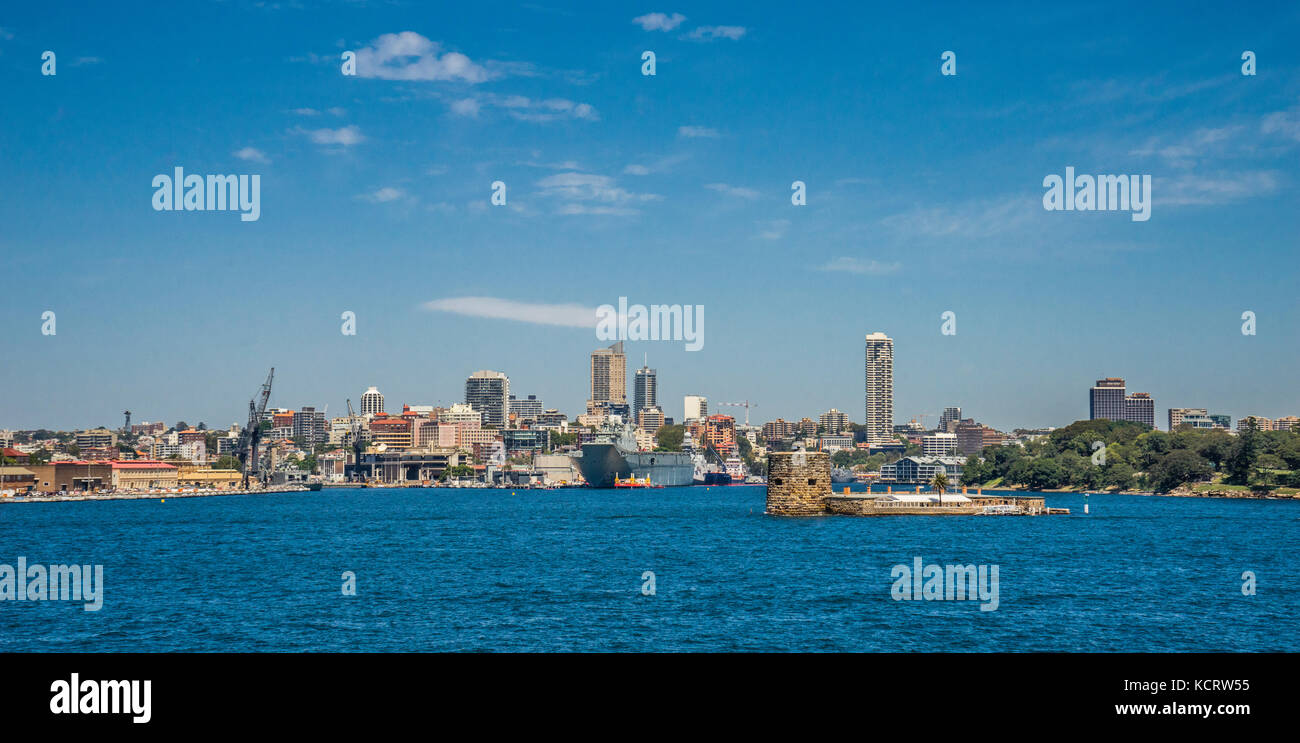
(143, 475)
(921, 470)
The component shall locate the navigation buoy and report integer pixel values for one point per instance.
(1085, 504)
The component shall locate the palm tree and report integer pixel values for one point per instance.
(940, 484)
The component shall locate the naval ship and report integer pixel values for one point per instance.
(614, 453)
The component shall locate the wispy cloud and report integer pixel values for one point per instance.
(709, 33)
(524, 108)
(739, 192)
(1201, 190)
(344, 137)
(774, 229)
(847, 264)
(410, 56)
(696, 132)
(969, 220)
(252, 155)
(659, 21)
(566, 315)
(383, 195)
(588, 193)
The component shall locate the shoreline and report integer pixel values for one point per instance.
(161, 495)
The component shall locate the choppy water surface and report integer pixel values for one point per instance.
(562, 570)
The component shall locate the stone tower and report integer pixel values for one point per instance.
(798, 482)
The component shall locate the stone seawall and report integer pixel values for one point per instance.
(798, 483)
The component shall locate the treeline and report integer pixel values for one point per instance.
(1131, 455)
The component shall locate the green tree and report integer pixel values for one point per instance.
(939, 484)
(1241, 462)
(1178, 467)
(669, 438)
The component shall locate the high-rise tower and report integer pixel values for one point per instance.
(879, 421)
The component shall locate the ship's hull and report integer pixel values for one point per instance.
(600, 463)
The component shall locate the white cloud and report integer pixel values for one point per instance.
(636, 170)
(410, 56)
(383, 195)
(566, 315)
(588, 193)
(251, 154)
(465, 107)
(737, 191)
(306, 112)
(524, 108)
(346, 136)
(1198, 190)
(847, 264)
(1286, 123)
(709, 33)
(659, 21)
(773, 230)
(695, 132)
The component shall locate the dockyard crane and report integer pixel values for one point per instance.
(355, 428)
(746, 404)
(252, 433)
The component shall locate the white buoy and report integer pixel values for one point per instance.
(1085, 504)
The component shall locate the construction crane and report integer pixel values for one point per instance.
(746, 404)
(252, 433)
(355, 429)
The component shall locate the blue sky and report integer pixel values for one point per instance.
(924, 195)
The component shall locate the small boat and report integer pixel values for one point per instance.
(313, 486)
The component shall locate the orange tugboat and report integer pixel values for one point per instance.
(632, 482)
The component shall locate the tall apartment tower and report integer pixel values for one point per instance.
(695, 407)
(1106, 399)
(372, 402)
(609, 376)
(1141, 408)
(950, 415)
(644, 392)
(879, 421)
(489, 393)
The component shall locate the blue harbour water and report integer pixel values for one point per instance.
(561, 570)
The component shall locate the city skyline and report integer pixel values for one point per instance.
(924, 197)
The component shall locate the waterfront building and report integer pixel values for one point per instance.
(644, 391)
(1140, 408)
(949, 420)
(694, 407)
(72, 476)
(372, 402)
(489, 393)
(1221, 421)
(608, 377)
(921, 470)
(939, 444)
(879, 372)
(834, 422)
(1106, 399)
(143, 475)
